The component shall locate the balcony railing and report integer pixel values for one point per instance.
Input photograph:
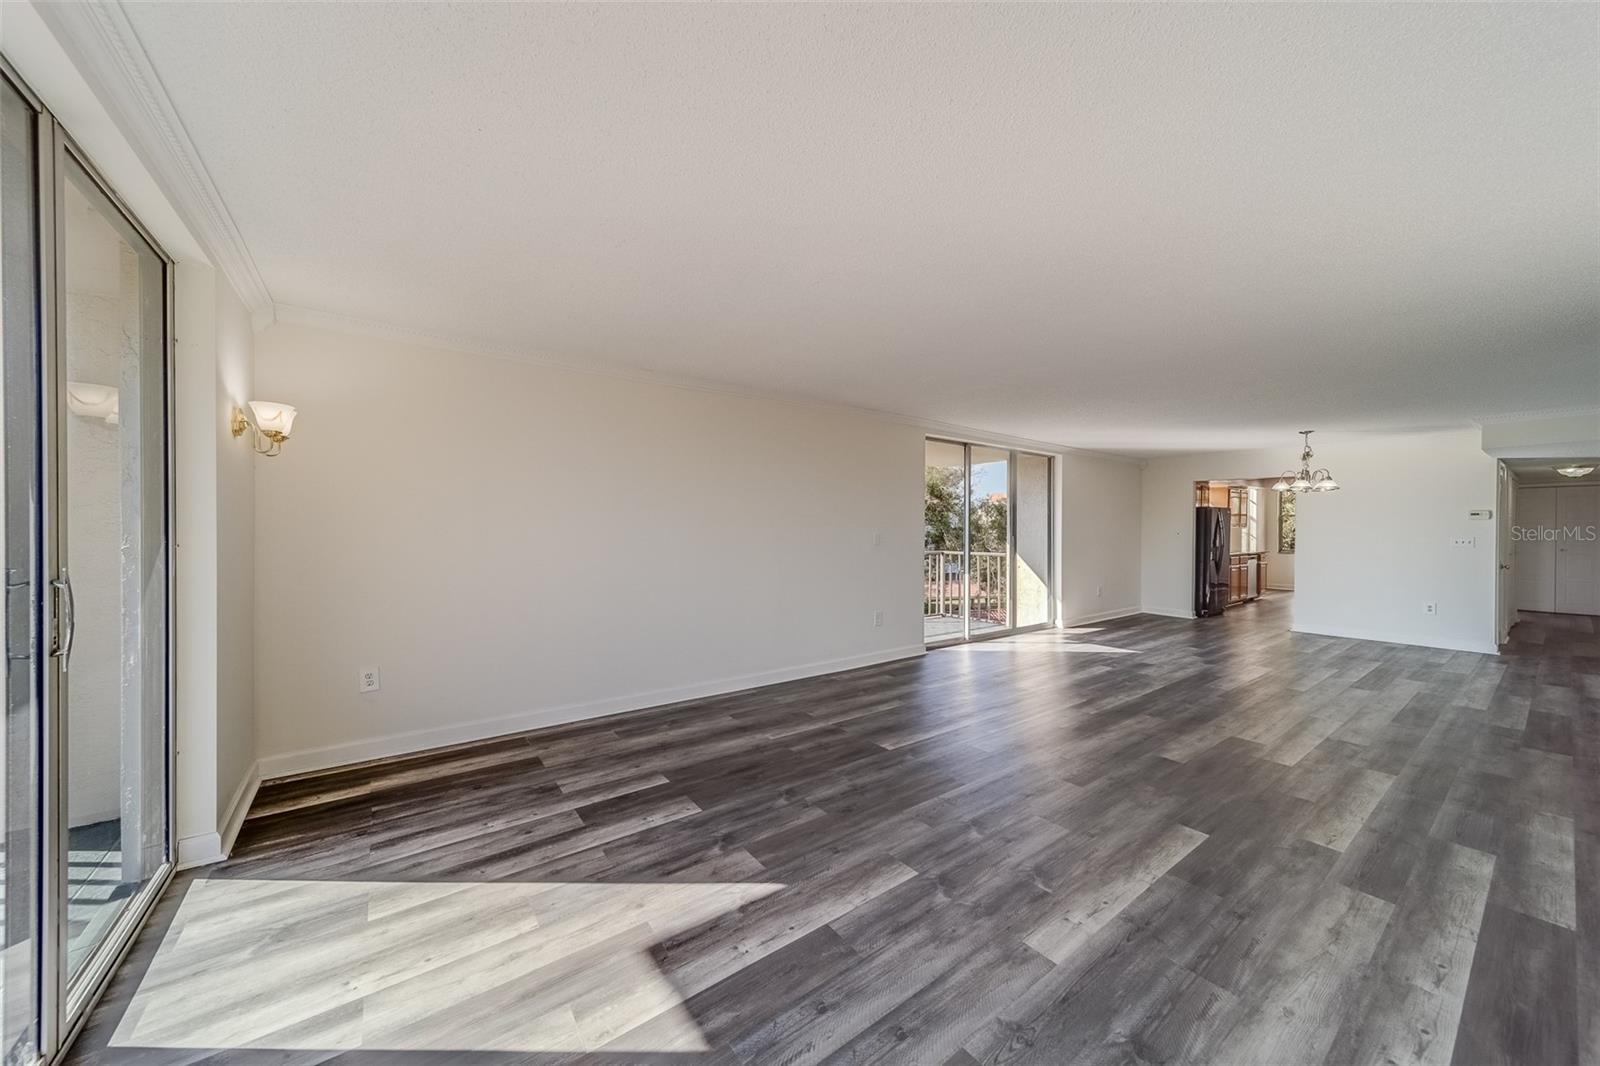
(986, 585)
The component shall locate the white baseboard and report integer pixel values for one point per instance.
(207, 848)
(201, 850)
(238, 807)
(1169, 612)
(311, 760)
(1100, 616)
(1415, 640)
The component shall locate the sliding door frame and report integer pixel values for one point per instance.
(63, 1002)
(966, 636)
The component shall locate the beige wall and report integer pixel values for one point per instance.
(1101, 517)
(513, 545)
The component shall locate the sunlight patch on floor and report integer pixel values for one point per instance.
(1059, 648)
(401, 966)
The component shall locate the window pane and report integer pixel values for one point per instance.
(115, 515)
(990, 566)
(943, 535)
(20, 486)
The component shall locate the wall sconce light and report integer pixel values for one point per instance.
(271, 423)
(93, 401)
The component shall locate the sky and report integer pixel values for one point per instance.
(988, 478)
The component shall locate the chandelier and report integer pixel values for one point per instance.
(1307, 479)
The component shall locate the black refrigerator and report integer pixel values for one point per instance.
(1210, 561)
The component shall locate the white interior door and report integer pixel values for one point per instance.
(1577, 550)
(1535, 552)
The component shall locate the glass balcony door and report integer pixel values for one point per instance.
(84, 476)
(988, 585)
(987, 543)
(22, 818)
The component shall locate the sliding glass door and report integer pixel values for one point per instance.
(988, 582)
(20, 491)
(87, 844)
(987, 545)
(112, 466)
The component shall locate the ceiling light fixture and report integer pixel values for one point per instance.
(1306, 479)
(1574, 471)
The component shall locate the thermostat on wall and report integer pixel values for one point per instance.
(1480, 516)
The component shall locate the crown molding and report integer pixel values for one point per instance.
(102, 44)
(366, 327)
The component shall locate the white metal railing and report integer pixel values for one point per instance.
(986, 585)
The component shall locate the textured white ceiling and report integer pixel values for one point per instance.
(1133, 227)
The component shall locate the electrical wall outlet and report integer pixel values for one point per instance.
(1099, 590)
(1430, 608)
(877, 619)
(368, 681)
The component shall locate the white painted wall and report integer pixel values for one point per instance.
(195, 558)
(1369, 556)
(215, 565)
(513, 545)
(1101, 515)
(236, 560)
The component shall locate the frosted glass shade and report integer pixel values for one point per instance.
(273, 419)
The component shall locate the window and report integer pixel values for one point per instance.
(1285, 523)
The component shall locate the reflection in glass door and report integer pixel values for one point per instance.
(113, 490)
(987, 544)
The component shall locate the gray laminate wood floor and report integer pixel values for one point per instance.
(1150, 841)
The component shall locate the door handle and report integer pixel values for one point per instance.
(66, 618)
